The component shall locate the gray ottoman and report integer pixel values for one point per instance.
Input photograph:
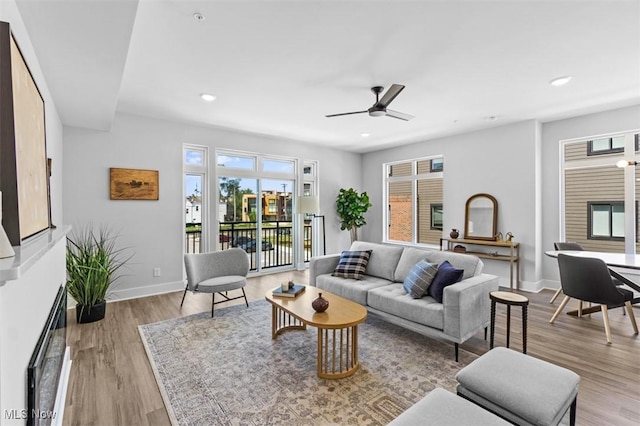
(520, 388)
(442, 408)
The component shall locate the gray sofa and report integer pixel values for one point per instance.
(465, 307)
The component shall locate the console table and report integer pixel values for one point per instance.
(495, 250)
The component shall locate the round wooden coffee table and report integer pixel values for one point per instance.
(337, 328)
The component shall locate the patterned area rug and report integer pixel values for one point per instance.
(228, 371)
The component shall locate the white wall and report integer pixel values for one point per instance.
(497, 161)
(516, 163)
(552, 133)
(155, 229)
(25, 303)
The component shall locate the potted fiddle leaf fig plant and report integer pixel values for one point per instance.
(93, 263)
(351, 207)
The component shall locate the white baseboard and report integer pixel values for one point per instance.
(149, 290)
(532, 286)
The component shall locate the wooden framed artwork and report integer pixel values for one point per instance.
(23, 154)
(133, 184)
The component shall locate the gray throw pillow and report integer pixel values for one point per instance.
(420, 278)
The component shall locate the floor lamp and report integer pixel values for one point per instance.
(311, 205)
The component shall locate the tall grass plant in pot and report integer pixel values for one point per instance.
(351, 207)
(93, 264)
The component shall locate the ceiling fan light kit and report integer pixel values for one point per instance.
(379, 108)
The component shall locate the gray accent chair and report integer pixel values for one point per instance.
(588, 279)
(217, 272)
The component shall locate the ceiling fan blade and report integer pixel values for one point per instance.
(346, 113)
(399, 115)
(391, 94)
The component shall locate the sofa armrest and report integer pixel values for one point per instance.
(319, 265)
(467, 307)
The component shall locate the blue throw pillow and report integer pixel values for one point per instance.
(419, 279)
(445, 276)
(352, 264)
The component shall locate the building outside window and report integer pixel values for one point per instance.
(413, 194)
(595, 191)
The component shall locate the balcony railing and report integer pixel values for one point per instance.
(276, 242)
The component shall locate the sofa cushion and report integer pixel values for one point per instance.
(471, 265)
(410, 256)
(354, 290)
(445, 276)
(392, 299)
(419, 279)
(384, 258)
(352, 264)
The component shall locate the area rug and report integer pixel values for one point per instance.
(228, 371)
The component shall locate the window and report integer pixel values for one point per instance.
(595, 192)
(436, 216)
(195, 197)
(605, 145)
(236, 161)
(255, 193)
(413, 195)
(437, 165)
(606, 220)
(273, 209)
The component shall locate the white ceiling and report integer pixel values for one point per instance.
(278, 67)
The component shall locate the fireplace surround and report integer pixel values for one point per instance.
(46, 366)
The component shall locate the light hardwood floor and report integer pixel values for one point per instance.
(112, 383)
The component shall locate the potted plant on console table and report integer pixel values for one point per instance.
(92, 265)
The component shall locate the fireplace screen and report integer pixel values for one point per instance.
(43, 373)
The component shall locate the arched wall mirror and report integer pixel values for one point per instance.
(481, 217)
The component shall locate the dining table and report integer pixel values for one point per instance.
(612, 260)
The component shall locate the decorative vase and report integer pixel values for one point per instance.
(320, 304)
(454, 233)
(86, 314)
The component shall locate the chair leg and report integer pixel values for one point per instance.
(580, 309)
(213, 302)
(183, 295)
(605, 318)
(555, 296)
(572, 412)
(245, 298)
(632, 316)
(560, 308)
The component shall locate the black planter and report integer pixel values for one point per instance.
(86, 314)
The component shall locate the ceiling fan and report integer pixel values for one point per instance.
(379, 108)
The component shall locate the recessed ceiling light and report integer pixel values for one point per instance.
(208, 97)
(198, 17)
(560, 81)
(365, 135)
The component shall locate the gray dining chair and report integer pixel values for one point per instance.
(564, 246)
(217, 272)
(588, 279)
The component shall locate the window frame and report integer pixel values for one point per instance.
(611, 150)
(413, 177)
(431, 208)
(610, 204)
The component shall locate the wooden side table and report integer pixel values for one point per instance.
(509, 299)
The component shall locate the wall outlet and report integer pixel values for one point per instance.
(157, 272)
